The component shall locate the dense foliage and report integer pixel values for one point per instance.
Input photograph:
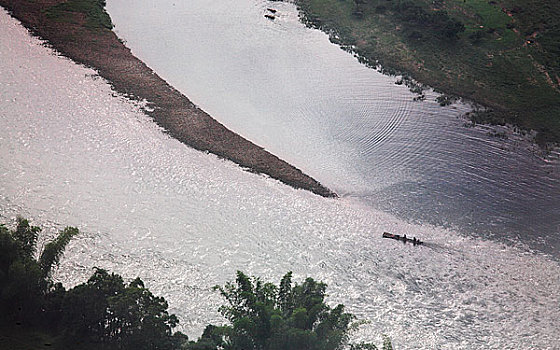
(27, 293)
(107, 313)
(104, 312)
(264, 316)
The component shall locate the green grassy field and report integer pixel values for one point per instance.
(504, 55)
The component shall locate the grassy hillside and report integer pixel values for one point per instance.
(502, 54)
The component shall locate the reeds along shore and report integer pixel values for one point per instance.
(81, 31)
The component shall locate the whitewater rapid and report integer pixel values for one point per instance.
(74, 153)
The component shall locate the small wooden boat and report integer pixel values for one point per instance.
(270, 17)
(271, 10)
(404, 239)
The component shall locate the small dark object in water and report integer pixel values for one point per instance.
(271, 10)
(404, 239)
(270, 17)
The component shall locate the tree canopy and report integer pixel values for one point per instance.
(129, 316)
(104, 311)
(25, 281)
(107, 313)
(264, 316)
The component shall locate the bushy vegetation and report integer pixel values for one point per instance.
(102, 313)
(107, 313)
(264, 316)
(27, 293)
(105, 310)
(93, 11)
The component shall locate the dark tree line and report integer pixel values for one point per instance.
(104, 312)
(27, 293)
(264, 316)
(107, 313)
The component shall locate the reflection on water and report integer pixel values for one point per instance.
(70, 153)
(285, 87)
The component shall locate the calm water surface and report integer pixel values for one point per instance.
(288, 89)
(73, 153)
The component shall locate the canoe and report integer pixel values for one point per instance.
(404, 239)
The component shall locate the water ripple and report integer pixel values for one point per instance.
(182, 220)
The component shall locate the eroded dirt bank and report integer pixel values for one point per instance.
(97, 47)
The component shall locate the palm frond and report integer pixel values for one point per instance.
(53, 250)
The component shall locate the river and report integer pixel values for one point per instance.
(74, 153)
(287, 88)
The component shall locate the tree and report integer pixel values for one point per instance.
(24, 280)
(54, 249)
(103, 311)
(86, 307)
(106, 310)
(139, 320)
(263, 316)
(107, 313)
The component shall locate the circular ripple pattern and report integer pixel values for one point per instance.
(288, 89)
(184, 221)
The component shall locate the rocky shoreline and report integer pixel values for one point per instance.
(101, 49)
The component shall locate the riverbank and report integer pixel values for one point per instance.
(80, 31)
(499, 54)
